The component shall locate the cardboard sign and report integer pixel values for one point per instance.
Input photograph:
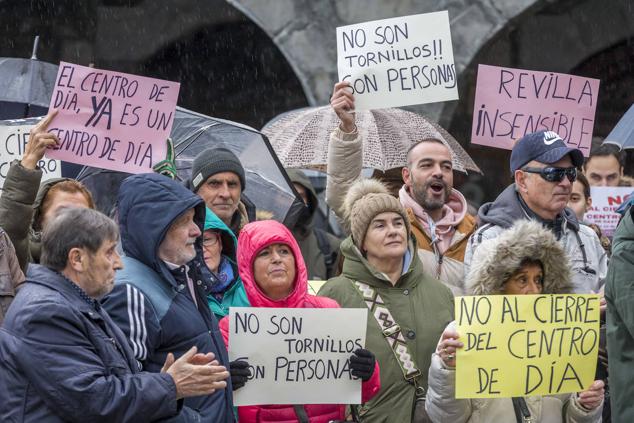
(521, 345)
(297, 355)
(13, 141)
(510, 103)
(605, 201)
(398, 61)
(111, 120)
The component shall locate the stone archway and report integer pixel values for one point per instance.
(232, 71)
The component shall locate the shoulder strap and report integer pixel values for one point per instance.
(301, 414)
(522, 413)
(391, 331)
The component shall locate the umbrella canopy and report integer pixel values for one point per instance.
(623, 133)
(267, 185)
(300, 137)
(26, 86)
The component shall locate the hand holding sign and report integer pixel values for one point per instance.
(448, 346)
(592, 397)
(39, 141)
(342, 102)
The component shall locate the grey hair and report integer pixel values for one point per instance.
(74, 227)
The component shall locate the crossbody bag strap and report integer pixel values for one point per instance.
(391, 331)
(522, 413)
(301, 414)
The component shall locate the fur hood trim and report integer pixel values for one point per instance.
(495, 260)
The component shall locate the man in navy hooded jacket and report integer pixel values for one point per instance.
(159, 298)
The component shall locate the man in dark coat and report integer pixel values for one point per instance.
(160, 297)
(62, 359)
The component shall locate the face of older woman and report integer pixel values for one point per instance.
(386, 237)
(529, 279)
(212, 247)
(274, 271)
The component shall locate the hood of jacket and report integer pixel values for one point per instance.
(227, 237)
(496, 259)
(507, 208)
(37, 204)
(305, 222)
(148, 204)
(35, 240)
(253, 238)
(357, 267)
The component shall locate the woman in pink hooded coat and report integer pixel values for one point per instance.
(272, 269)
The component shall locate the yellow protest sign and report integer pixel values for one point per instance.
(521, 345)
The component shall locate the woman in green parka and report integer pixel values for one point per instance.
(219, 248)
(408, 311)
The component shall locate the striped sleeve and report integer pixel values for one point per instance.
(131, 311)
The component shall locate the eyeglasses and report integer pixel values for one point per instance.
(211, 241)
(554, 174)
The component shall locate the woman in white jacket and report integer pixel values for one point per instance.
(525, 259)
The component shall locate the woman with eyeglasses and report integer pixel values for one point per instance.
(219, 248)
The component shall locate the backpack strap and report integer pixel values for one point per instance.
(391, 331)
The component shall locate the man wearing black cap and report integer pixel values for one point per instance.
(544, 169)
(218, 177)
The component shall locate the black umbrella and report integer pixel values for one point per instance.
(267, 185)
(623, 133)
(26, 86)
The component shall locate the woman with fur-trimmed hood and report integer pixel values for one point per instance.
(525, 259)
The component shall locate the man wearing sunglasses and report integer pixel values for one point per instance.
(544, 168)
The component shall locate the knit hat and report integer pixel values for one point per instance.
(212, 161)
(365, 199)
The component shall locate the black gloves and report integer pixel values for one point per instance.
(362, 363)
(240, 373)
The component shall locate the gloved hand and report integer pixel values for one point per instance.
(362, 363)
(240, 373)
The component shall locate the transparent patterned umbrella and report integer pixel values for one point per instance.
(300, 137)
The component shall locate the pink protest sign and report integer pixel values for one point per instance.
(605, 201)
(111, 120)
(510, 103)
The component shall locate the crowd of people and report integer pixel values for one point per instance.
(125, 318)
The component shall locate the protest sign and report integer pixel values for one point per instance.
(605, 201)
(398, 61)
(13, 139)
(510, 103)
(297, 355)
(111, 120)
(521, 345)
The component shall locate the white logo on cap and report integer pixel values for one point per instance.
(550, 137)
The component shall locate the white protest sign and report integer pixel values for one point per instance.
(13, 141)
(297, 355)
(605, 201)
(398, 61)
